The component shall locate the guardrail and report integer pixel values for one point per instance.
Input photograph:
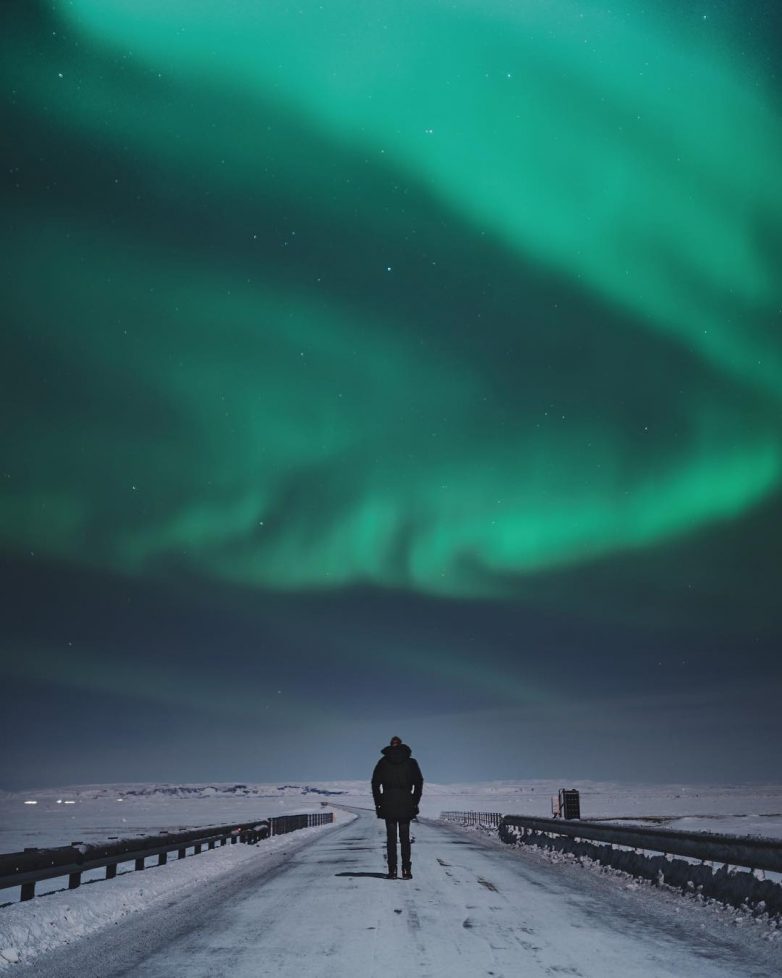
(730, 850)
(492, 819)
(597, 841)
(25, 869)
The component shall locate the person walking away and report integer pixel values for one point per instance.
(399, 776)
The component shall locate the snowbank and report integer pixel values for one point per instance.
(31, 928)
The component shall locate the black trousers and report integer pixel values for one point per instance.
(403, 825)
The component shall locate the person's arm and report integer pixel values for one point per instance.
(376, 795)
(418, 782)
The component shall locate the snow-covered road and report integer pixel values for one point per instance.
(472, 909)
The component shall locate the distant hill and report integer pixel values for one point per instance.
(188, 791)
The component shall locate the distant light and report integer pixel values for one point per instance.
(59, 801)
(69, 803)
(120, 799)
(31, 803)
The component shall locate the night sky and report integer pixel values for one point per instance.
(390, 368)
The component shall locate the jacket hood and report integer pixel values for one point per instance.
(396, 754)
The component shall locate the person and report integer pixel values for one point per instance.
(399, 775)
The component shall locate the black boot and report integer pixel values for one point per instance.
(407, 873)
(391, 875)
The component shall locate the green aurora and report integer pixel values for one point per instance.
(431, 297)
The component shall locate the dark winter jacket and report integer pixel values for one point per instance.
(400, 778)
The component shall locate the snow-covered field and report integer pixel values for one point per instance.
(751, 809)
(93, 813)
(96, 812)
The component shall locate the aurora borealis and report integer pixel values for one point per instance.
(410, 367)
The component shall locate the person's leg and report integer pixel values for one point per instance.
(391, 843)
(404, 841)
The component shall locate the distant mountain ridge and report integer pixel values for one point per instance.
(183, 791)
(307, 790)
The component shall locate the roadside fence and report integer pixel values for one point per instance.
(491, 819)
(25, 869)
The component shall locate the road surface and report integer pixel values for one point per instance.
(472, 909)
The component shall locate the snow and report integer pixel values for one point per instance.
(62, 916)
(95, 814)
(474, 907)
(460, 936)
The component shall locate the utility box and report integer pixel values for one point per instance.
(566, 804)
